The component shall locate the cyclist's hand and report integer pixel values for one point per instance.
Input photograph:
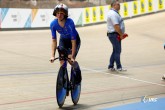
(52, 59)
(72, 59)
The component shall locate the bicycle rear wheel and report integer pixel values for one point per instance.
(75, 93)
(61, 86)
(75, 89)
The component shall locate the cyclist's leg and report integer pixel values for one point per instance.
(76, 78)
(78, 44)
(66, 43)
(76, 65)
(63, 43)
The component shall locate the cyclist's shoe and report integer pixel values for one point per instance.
(111, 69)
(163, 78)
(121, 70)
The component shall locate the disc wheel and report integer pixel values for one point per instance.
(75, 91)
(61, 90)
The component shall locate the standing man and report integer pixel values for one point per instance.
(115, 33)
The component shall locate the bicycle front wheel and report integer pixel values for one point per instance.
(61, 87)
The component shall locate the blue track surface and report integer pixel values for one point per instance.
(158, 105)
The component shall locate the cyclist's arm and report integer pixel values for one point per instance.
(116, 22)
(73, 48)
(54, 46)
(118, 30)
(54, 40)
(73, 37)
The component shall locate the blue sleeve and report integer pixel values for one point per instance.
(53, 29)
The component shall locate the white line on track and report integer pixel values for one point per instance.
(148, 82)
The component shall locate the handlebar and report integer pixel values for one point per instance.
(63, 53)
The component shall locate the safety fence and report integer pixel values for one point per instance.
(11, 18)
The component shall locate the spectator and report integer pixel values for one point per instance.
(115, 29)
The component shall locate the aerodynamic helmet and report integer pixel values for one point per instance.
(61, 7)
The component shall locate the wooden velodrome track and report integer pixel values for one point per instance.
(28, 79)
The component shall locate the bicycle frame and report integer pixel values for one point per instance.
(64, 84)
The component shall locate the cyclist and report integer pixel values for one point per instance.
(69, 37)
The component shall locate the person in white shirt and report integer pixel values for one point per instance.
(115, 31)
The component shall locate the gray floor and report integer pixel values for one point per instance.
(27, 79)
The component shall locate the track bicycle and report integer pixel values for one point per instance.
(65, 84)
